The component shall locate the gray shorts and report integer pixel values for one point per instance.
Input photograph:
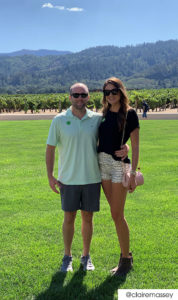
(85, 197)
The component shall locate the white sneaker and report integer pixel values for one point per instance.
(66, 264)
(87, 263)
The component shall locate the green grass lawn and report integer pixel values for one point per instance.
(31, 220)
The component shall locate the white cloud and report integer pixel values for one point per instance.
(59, 7)
(74, 9)
(49, 5)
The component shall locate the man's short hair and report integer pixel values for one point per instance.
(79, 84)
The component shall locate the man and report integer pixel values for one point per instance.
(145, 109)
(75, 132)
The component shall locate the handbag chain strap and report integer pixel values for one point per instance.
(122, 141)
(123, 133)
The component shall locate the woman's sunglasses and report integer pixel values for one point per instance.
(77, 95)
(108, 92)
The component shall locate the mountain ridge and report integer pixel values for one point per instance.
(39, 52)
(148, 65)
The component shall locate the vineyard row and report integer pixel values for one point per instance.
(156, 99)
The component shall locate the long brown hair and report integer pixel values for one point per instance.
(124, 101)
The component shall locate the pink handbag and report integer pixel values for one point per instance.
(138, 178)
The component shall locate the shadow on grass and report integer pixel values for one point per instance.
(76, 290)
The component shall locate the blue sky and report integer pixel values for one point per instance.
(75, 25)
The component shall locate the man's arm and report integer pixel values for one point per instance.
(50, 158)
(123, 152)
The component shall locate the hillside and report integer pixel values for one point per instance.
(41, 52)
(150, 65)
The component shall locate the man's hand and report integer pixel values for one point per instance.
(53, 182)
(123, 152)
(50, 158)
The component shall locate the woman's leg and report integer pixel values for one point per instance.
(117, 205)
(116, 196)
(107, 188)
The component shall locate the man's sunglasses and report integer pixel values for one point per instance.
(113, 92)
(77, 95)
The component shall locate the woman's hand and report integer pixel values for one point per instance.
(132, 184)
(123, 153)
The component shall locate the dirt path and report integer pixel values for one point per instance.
(162, 115)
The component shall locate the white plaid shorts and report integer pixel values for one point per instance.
(110, 168)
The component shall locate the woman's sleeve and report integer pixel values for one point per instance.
(133, 121)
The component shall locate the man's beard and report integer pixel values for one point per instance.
(81, 107)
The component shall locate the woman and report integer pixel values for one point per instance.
(118, 116)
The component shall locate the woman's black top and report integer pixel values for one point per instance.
(109, 136)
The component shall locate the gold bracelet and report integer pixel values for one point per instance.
(132, 172)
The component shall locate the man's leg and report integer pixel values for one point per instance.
(89, 204)
(87, 230)
(68, 231)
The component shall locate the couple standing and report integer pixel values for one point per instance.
(77, 132)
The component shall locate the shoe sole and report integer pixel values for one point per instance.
(85, 269)
(65, 271)
(123, 273)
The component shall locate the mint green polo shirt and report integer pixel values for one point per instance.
(77, 145)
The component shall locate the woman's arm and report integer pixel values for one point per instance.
(134, 136)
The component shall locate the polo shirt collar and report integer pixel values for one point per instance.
(89, 113)
(69, 112)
